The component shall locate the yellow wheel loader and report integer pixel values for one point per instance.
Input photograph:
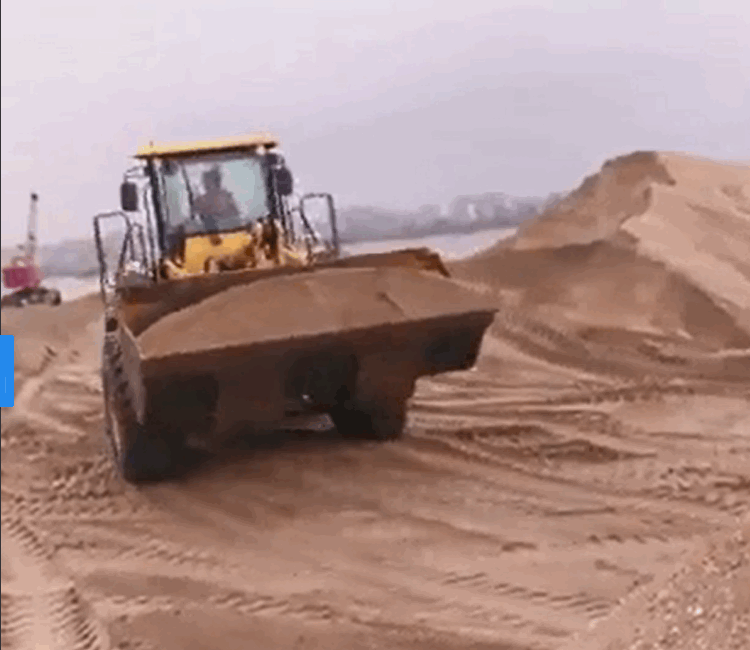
(228, 310)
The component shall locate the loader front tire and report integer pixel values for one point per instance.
(137, 456)
(149, 459)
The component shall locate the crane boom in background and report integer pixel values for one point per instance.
(23, 275)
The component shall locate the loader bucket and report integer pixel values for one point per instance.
(251, 349)
(145, 305)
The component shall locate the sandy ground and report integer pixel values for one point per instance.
(587, 485)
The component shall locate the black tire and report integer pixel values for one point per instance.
(37, 297)
(383, 422)
(150, 459)
(54, 297)
(10, 301)
(13, 300)
(137, 456)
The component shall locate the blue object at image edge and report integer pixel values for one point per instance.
(7, 370)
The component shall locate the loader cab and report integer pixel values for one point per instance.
(216, 200)
(210, 201)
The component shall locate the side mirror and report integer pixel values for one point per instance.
(129, 197)
(284, 181)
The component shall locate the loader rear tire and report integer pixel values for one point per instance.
(383, 422)
(12, 301)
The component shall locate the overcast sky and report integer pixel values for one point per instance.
(390, 103)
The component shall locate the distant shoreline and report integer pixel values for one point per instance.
(455, 229)
(88, 274)
(91, 272)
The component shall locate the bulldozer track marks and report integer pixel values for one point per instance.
(640, 392)
(526, 608)
(172, 555)
(580, 602)
(26, 538)
(58, 619)
(239, 602)
(529, 332)
(40, 607)
(249, 604)
(642, 498)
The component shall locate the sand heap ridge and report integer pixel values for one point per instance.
(598, 208)
(654, 245)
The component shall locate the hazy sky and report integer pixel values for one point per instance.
(390, 103)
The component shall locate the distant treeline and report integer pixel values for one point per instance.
(466, 214)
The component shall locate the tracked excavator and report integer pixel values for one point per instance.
(230, 308)
(23, 276)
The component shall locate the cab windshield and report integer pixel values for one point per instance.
(212, 193)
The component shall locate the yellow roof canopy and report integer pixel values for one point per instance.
(205, 146)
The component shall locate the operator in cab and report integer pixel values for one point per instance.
(216, 204)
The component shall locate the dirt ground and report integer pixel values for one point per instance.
(586, 485)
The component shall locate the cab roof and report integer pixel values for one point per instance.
(167, 149)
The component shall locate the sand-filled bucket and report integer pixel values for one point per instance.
(306, 310)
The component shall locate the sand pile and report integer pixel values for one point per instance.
(703, 604)
(654, 244)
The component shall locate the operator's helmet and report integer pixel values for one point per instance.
(213, 175)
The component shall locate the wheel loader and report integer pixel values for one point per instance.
(232, 308)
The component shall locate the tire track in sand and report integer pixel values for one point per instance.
(40, 607)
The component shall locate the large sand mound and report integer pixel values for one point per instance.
(654, 244)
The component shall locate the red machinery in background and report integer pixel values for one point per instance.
(23, 276)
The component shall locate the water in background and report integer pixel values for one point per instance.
(449, 247)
